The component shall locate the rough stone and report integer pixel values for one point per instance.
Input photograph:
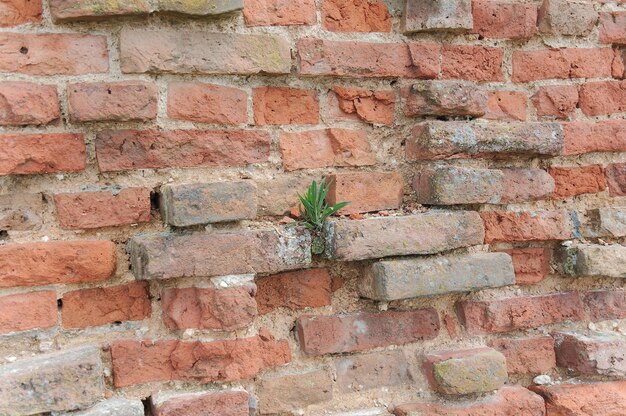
(594, 260)
(606, 222)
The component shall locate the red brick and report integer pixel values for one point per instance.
(591, 352)
(103, 209)
(143, 149)
(277, 105)
(112, 101)
(527, 355)
(18, 12)
(357, 332)
(53, 53)
(502, 20)
(218, 403)
(38, 264)
(616, 179)
(355, 16)
(70, 10)
(613, 27)
(577, 181)
(602, 136)
(512, 314)
(531, 265)
(506, 105)
(290, 394)
(136, 362)
(28, 311)
(618, 68)
(477, 63)
(23, 103)
(100, 306)
(366, 191)
(521, 185)
(208, 308)
(279, 12)
(558, 101)
(206, 103)
(607, 399)
(371, 106)
(322, 148)
(605, 304)
(507, 226)
(309, 288)
(562, 64)
(599, 98)
(371, 371)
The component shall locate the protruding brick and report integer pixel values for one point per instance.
(279, 13)
(601, 136)
(58, 262)
(403, 279)
(576, 181)
(606, 304)
(355, 16)
(144, 50)
(607, 97)
(531, 265)
(564, 63)
(309, 288)
(601, 353)
(70, 10)
(204, 203)
(502, 20)
(506, 105)
(504, 315)
(279, 105)
(527, 355)
(613, 27)
(567, 17)
(425, 233)
(608, 398)
(445, 98)
(206, 103)
(449, 185)
(448, 15)
(113, 407)
(200, 8)
(472, 62)
(320, 335)
(67, 380)
(559, 101)
(103, 209)
(19, 12)
(594, 260)
(21, 211)
(99, 306)
(371, 106)
(24, 103)
(369, 371)
(521, 185)
(145, 149)
(507, 226)
(607, 221)
(293, 393)
(175, 403)
(26, 311)
(366, 191)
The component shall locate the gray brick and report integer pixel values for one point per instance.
(448, 185)
(445, 98)
(601, 353)
(21, 212)
(113, 407)
(593, 260)
(607, 222)
(369, 371)
(200, 7)
(449, 15)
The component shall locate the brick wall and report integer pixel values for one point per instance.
(150, 155)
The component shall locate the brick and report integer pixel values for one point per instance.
(425, 233)
(444, 98)
(558, 101)
(207, 308)
(309, 288)
(479, 370)
(409, 278)
(563, 63)
(616, 178)
(100, 306)
(506, 105)
(200, 8)
(448, 15)
(511, 314)
(601, 353)
(565, 17)
(367, 59)
(607, 222)
(618, 68)
(576, 181)
(279, 13)
(24, 103)
(531, 265)
(21, 211)
(143, 50)
(174, 403)
(206, 203)
(206, 103)
(278, 194)
(26, 311)
(112, 101)
(371, 106)
(57, 262)
(503, 20)
(292, 393)
(136, 362)
(115, 406)
(355, 16)
(370, 371)
(458, 139)
(448, 185)
(607, 398)
(471, 62)
(366, 191)
(607, 97)
(119, 150)
(503, 226)
(527, 355)
(278, 105)
(320, 335)
(521, 185)
(613, 27)
(103, 209)
(163, 256)
(601, 136)
(66, 380)
(19, 12)
(594, 260)
(71, 10)
(53, 53)
(26, 154)
(322, 148)
(605, 304)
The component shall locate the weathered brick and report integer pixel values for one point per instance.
(363, 331)
(608, 398)
(527, 355)
(531, 265)
(576, 181)
(57, 262)
(449, 185)
(601, 353)
(594, 260)
(616, 178)
(510, 314)
(206, 103)
(521, 185)
(279, 194)
(601, 136)
(479, 370)
(366, 191)
(200, 8)
(67, 380)
(279, 12)
(166, 256)
(279, 105)
(204, 203)
(471, 62)
(371, 106)
(293, 393)
(103, 209)
(562, 63)
(503, 20)
(559, 101)
(112, 101)
(613, 27)
(444, 98)
(605, 304)
(144, 149)
(607, 222)
(136, 362)
(26, 311)
(18, 12)
(408, 278)
(566, 17)
(308, 288)
(448, 15)
(175, 403)
(355, 16)
(369, 371)
(143, 50)
(506, 105)
(113, 407)
(322, 148)
(507, 226)
(70, 10)
(53, 53)
(425, 233)
(24, 103)
(208, 308)
(25, 154)
(100, 306)
(21, 211)
(607, 97)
